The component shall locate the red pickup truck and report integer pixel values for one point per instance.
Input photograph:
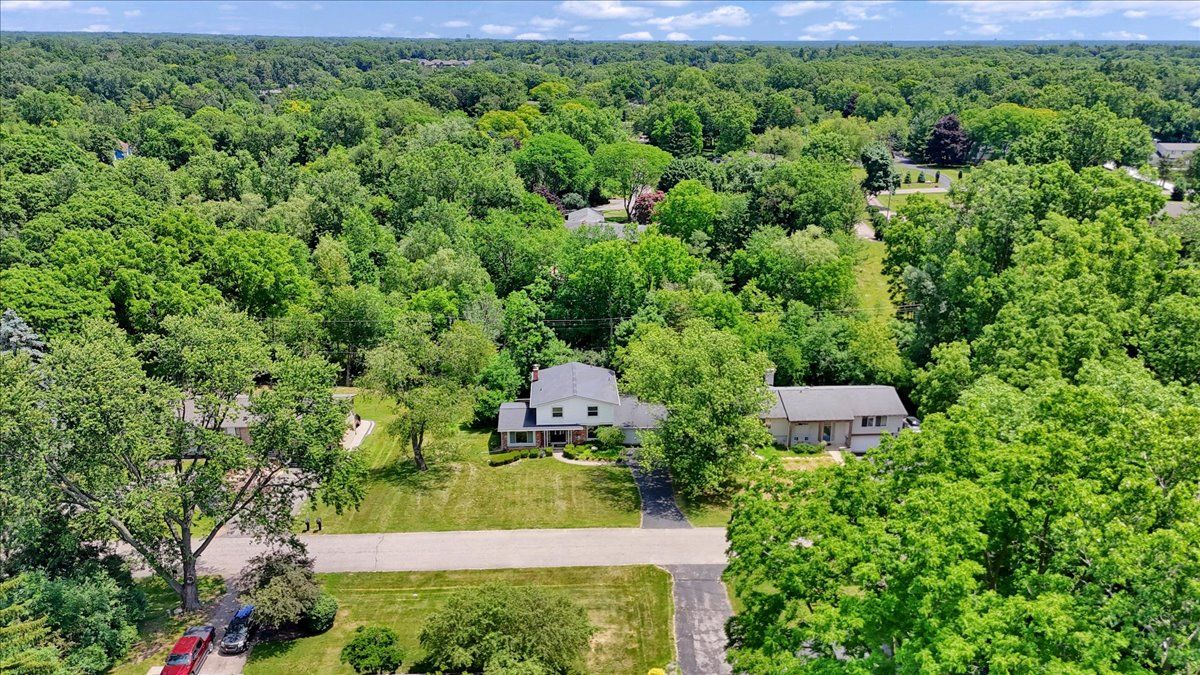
(190, 651)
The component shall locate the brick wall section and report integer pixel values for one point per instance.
(579, 436)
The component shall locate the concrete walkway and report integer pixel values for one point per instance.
(659, 510)
(701, 610)
(354, 437)
(486, 549)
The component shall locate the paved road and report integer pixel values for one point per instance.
(659, 510)
(486, 549)
(701, 609)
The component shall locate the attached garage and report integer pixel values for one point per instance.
(861, 444)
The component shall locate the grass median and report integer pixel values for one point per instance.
(631, 608)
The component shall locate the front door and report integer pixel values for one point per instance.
(558, 437)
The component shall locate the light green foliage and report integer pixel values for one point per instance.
(433, 379)
(496, 625)
(797, 194)
(690, 206)
(1085, 137)
(627, 168)
(503, 125)
(808, 266)
(973, 544)
(260, 272)
(664, 260)
(994, 130)
(713, 390)
(27, 645)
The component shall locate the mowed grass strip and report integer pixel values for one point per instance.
(631, 608)
(460, 491)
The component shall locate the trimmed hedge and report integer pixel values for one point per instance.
(320, 618)
(502, 458)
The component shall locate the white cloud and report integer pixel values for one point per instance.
(852, 38)
(640, 35)
(279, 4)
(862, 10)
(669, 3)
(988, 29)
(1069, 35)
(725, 15)
(97, 28)
(603, 9)
(580, 28)
(807, 38)
(1122, 35)
(678, 37)
(494, 29)
(226, 8)
(12, 5)
(1196, 23)
(1006, 11)
(546, 23)
(531, 36)
(727, 38)
(1134, 14)
(132, 12)
(316, 7)
(798, 8)
(823, 28)
(95, 11)
(455, 24)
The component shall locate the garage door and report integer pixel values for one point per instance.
(860, 444)
(632, 437)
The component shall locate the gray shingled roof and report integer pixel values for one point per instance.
(634, 414)
(1176, 150)
(816, 404)
(577, 219)
(574, 379)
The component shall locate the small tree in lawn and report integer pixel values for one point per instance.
(486, 628)
(281, 585)
(881, 175)
(373, 649)
(432, 380)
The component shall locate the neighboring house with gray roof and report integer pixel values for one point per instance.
(568, 403)
(1173, 154)
(854, 417)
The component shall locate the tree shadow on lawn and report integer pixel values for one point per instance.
(405, 474)
(614, 487)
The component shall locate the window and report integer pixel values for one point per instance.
(556, 412)
(868, 421)
(593, 411)
(520, 437)
(881, 420)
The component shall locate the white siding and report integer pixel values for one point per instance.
(575, 412)
(892, 426)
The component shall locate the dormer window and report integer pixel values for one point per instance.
(556, 412)
(593, 411)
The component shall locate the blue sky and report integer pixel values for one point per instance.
(628, 20)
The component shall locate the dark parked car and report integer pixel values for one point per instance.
(913, 423)
(190, 651)
(237, 634)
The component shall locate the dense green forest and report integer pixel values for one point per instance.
(208, 218)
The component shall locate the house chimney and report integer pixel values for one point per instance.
(769, 377)
(534, 374)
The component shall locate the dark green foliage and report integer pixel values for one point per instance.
(373, 649)
(321, 615)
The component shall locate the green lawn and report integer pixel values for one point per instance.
(706, 512)
(616, 216)
(160, 629)
(461, 492)
(898, 201)
(874, 295)
(630, 606)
